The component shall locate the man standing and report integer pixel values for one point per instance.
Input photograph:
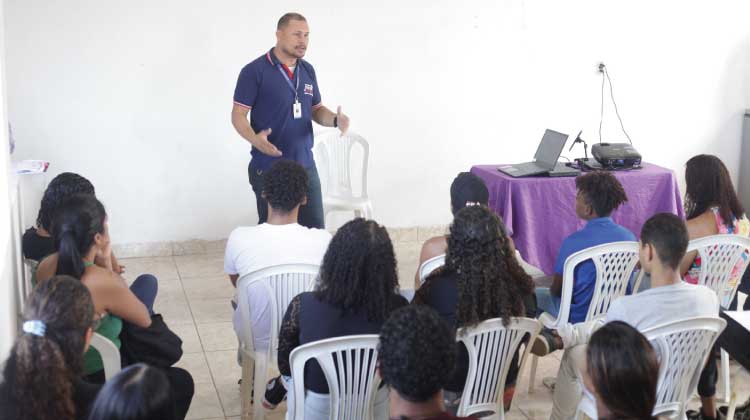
(280, 92)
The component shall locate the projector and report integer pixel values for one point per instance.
(616, 155)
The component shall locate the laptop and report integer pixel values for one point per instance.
(545, 158)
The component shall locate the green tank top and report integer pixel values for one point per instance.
(110, 328)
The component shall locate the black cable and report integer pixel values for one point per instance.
(612, 95)
(601, 113)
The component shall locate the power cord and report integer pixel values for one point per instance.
(605, 73)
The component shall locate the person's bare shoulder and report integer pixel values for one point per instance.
(432, 248)
(46, 268)
(703, 225)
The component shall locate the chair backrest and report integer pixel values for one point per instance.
(334, 152)
(348, 364)
(491, 347)
(683, 347)
(109, 353)
(429, 266)
(614, 262)
(720, 254)
(282, 283)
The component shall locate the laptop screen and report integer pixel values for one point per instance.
(550, 148)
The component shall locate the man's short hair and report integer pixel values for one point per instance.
(284, 20)
(602, 191)
(468, 188)
(668, 234)
(417, 352)
(285, 185)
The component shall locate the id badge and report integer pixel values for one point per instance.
(297, 110)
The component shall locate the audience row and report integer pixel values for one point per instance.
(357, 292)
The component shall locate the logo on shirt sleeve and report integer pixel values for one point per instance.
(308, 89)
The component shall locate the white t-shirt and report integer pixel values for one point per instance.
(660, 305)
(254, 248)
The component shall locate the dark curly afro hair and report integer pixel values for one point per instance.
(417, 352)
(602, 191)
(285, 185)
(61, 187)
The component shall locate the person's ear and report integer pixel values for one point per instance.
(99, 240)
(87, 339)
(304, 201)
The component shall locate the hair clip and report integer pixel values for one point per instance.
(35, 327)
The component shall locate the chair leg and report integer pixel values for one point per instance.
(725, 377)
(246, 387)
(259, 382)
(532, 372)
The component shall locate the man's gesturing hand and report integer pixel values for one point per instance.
(342, 121)
(265, 146)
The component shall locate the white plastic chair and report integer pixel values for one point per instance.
(491, 347)
(615, 263)
(352, 382)
(683, 347)
(719, 254)
(429, 266)
(109, 353)
(282, 283)
(334, 152)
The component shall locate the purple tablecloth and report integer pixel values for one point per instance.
(540, 212)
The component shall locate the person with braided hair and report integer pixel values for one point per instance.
(356, 292)
(42, 376)
(481, 280)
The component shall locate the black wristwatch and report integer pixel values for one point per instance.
(336, 121)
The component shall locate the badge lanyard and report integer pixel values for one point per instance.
(297, 107)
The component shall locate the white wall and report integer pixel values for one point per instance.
(136, 95)
(8, 264)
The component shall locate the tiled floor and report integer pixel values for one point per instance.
(194, 300)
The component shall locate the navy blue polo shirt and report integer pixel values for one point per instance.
(264, 89)
(596, 232)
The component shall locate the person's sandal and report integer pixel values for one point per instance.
(275, 393)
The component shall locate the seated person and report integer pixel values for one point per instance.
(466, 190)
(712, 208)
(663, 243)
(481, 280)
(622, 372)
(356, 292)
(81, 236)
(42, 376)
(281, 240)
(138, 392)
(37, 241)
(598, 195)
(415, 357)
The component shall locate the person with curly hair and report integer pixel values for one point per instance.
(280, 240)
(42, 375)
(416, 354)
(598, 195)
(712, 207)
(622, 372)
(467, 189)
(481, 280)
(37, 241)
(356, 292)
